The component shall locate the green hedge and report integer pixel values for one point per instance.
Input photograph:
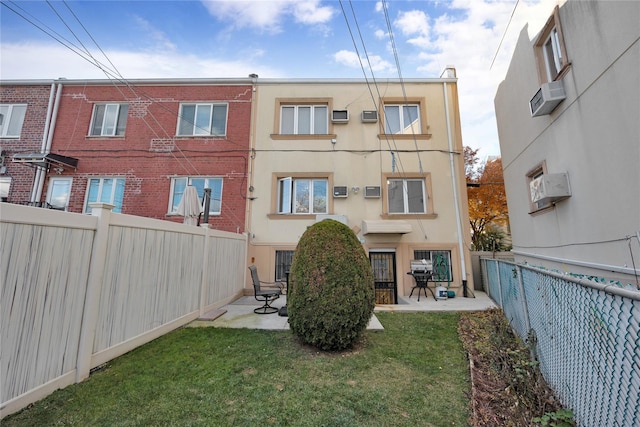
(331, 293)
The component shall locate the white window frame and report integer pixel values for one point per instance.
(5, 187)
(405, 128)
(215, 205)
(405, 196)
(204, 129)
(113, 121)
(53, 182)
(552, 54)
(12, 114)
(288, 201)
(111, 197)
(313, 126)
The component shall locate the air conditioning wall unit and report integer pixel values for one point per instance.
(547, 98)
(550, 188)
(340, 116)
(371, 192)
(340, 191)
(369, 116)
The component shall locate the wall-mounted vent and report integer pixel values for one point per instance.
(340, 116)
(369, 116)
(547, 98)
(340, 191)
(550, 188)
(371, 192)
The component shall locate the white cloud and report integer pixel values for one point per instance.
(350, 59)
(268, 15)
(26, 61)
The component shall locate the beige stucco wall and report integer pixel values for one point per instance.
(358, 158)
(593, 135)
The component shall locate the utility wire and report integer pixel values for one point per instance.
(504, 34)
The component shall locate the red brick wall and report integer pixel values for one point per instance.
(149, 153)
(37, 99)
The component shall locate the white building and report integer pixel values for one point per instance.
(568, 116)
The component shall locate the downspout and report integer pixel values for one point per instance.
(455, 192)
(47, 139)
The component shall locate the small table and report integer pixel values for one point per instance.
(422, 282)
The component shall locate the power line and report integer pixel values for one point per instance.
(504, 34)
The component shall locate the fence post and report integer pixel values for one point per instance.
(94, 287)
(204, 284)
(497, 263)
(525, 307)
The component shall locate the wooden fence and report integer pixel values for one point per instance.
(77, 291)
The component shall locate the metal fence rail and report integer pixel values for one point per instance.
(584, 334)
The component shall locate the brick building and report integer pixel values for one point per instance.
(23, 119)
(138, 145)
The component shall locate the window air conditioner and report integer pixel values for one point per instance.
(340, 191)
(550, 188)
(340, 116)
(371, 192)
(547, 98)
(370, 116)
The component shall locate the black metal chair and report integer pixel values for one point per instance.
(266, 292)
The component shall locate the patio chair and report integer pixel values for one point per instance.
(266, 292)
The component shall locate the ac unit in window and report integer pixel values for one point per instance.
(370, 116)
(547, 98)
(371, 192)
(340, 191)
(340, 116)
(550, 188)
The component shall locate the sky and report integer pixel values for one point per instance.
(276, 39)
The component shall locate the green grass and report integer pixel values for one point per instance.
(415, 373)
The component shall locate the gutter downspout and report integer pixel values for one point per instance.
(455, 192)
(47, 139)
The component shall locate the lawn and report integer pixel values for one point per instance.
(415, 373)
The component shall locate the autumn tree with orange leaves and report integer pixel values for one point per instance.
(488, 211)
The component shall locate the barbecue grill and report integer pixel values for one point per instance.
(422, 271)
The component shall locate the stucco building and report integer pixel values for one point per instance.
(384, 157)
(568, 116)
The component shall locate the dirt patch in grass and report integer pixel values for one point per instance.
(507, 386)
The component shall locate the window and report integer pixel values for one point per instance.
(441, 262)
(202, 119)
(550, 50)
(11, 119)
(5, 185)
(304, 120)
(402, 119)
(109, 119)
(105, 190)
(302, 196)
(283, 264)
(552, 55)
(406, 196)
(58, 192)
(178, 186)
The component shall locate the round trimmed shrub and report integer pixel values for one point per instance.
(331, 294)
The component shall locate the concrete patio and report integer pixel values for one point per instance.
(239, 314)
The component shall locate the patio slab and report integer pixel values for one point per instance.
(239, 314)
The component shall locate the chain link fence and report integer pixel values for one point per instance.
(583, 333)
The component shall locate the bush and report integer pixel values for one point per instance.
(331, 294)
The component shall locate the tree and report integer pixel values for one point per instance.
(488, 213)
(331, 294)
